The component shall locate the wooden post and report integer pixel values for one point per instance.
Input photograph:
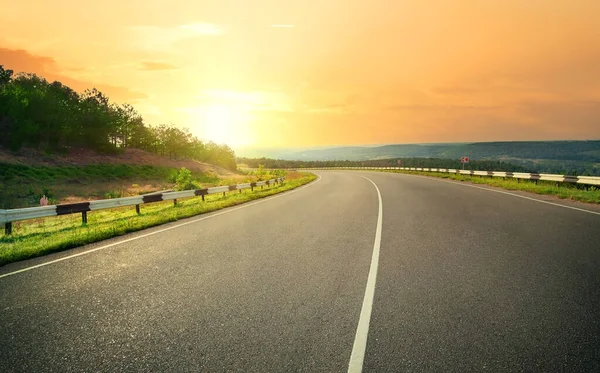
(223, 194)
(137, 209)
(84, 217)
(240, 191)
(175, 202)
(203, 198)
(8, 228)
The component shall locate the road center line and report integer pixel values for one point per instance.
(362, 331)
(226, 211)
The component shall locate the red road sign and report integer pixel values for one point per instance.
(464, 159)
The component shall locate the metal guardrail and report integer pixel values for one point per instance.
(583, 180)
(9, 216)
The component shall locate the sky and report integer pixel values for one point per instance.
(300, 73)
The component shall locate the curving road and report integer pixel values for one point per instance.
(464, 279)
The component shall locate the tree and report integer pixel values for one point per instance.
(5, 76)
(36, 113)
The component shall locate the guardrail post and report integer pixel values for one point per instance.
(175, 202)
(240, 190)
(137, 209)
(84, 217)
(8, 228)
(223, 194)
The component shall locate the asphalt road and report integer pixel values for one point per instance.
(467, 280)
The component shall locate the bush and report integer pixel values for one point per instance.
(173, 176)
(112, 194)
(260, 173)
(185, 181)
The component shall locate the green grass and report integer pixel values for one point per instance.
(562, 190)
(93, 172)
(32, 238)
(87, 182)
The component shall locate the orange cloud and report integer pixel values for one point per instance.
(156, 66)
(22, 61)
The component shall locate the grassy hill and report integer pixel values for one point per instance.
(86, 175)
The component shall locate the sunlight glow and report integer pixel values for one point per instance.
(226, 123)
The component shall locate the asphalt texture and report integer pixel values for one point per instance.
(468, 280)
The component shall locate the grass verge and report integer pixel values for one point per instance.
(561, 190)
(32, 238)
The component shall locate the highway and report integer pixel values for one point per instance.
(465, 280)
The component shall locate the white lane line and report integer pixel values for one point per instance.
(362, 331)
(503, 192)
(160, 230)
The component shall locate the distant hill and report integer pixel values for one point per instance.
(557, 150)
(572, 157)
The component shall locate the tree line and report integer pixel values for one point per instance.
(542, 166)
(482, 165)
(51, 116)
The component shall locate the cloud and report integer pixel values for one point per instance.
(330, 109)
(203, 28)
(167, 38)
(21, 60)
(429, 107)
(156, 66)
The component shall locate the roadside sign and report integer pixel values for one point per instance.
(464, 160)
(399, 162)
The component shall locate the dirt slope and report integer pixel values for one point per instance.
(82, 157)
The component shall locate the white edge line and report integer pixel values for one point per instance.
(499, 191)
(362, 331)
(228, 210)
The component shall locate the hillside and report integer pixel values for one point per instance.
(71, 146)
(82, 174)
(580, 157)
(86, 157)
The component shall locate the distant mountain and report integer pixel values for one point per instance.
(580, 157)
(551, 150)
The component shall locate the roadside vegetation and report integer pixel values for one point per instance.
(561, 190)
(24, 185)
(392, 162)
(32, 238)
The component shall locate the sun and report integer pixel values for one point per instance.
(226, 124)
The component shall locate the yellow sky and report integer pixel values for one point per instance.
(330, 72)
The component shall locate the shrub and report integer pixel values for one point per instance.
(112, 194)
(185, 181)
(260, 173)
(172, 176)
